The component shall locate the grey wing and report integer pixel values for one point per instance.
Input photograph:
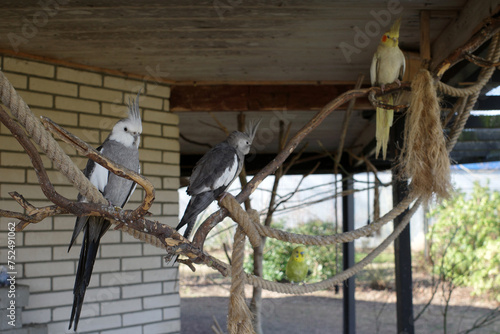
(217, 168)
(118, 189)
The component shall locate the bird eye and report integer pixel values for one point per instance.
(125, 128)
(248, 143)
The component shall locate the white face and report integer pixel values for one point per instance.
(244, 144)
(127, 132)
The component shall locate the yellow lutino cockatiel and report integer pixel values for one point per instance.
(388, 66)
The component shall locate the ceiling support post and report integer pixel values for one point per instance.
(402, 248)
(349, 314)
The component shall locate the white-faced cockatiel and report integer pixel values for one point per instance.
(215, 172)
(122, 147)
(388, 66)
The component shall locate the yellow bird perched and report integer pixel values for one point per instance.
(388, 66)
(296, 268)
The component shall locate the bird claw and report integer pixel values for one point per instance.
(398, 82)
(382, 87)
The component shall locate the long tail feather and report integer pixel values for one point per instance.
(384, 119)
(79, 224)
(91, 239)
(197, 204)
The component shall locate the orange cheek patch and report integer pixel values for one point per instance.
(384, 38)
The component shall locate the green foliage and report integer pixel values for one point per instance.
(320, 259)
(465, 240)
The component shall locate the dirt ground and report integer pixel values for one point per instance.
(204, 297)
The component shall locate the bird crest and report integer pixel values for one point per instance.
(391, 38)
(394, 31)
(251, 128)
(134, 113)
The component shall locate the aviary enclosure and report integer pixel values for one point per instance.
(424, 160)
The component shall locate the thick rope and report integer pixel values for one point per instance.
(484, 76)
(493, 54)
(308, 288)
(61, 160)
(239, 215)
(239, 316)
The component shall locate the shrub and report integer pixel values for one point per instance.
(320, 259)
(465, 240)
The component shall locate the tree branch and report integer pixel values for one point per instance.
(490, 28)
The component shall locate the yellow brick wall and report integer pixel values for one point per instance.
(131, 287)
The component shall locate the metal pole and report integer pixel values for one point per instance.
(402, 249)
(348, 257)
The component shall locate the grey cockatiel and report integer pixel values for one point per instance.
(214, 173)
(388, 66)
(121, 146)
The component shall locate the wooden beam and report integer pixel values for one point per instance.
(461, 29)
(425, 37)
(258, 97)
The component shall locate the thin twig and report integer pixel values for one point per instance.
(345, 125)
(479, 61)
(219, 123)
(194, 141)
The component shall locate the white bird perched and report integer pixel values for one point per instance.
(122, 147)
(215, 172)
(388, 66)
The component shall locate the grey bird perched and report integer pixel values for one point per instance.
(215, 172)
(122, 147)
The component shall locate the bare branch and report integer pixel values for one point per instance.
(484, 320)
(35, 215)
(379, 104)
(194, 141)
(481, 62)
(345, 125)
(490, 28)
